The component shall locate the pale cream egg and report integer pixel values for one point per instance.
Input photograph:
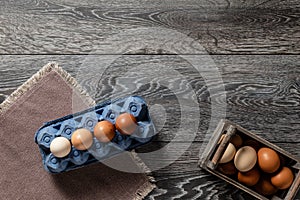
(60, 147)
(228, 154)
(245, 159)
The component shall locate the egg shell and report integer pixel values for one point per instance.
(227, 168)
(126, 123)
(265, 187)
(268, 160)
(60, 147)
(82, 139)
(236, 140)
(229, 153)
(104, 131)
(283, 179)
(245, 159)
(249, 178)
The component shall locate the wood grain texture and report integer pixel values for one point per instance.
(263, 92)
(220, 26)
(262, 96)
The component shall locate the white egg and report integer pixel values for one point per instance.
(60, 147)
(245, 159)
(228, 154)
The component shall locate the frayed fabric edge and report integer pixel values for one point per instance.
(52, 66)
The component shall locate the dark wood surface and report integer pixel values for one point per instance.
(254, 44)
(221, 26)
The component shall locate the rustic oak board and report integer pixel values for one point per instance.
(262, 91)
(220, 26)
(262, 95)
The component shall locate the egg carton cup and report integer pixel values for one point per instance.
(109, 111)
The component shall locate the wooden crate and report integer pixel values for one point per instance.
(216, 146)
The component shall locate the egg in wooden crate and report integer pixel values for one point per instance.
(251, 163)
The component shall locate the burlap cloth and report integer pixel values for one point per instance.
(49, 94)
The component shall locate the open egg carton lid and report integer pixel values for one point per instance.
(87, 119)
(214, 149)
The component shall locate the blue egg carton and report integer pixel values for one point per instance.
(108, 110)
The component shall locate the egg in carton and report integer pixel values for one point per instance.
(94, 134)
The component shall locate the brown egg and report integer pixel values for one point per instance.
(104, 131)
(249, 178)
(252, 143)
(268, 160)
(227, 168)
(236, 140)
(82, 139)
(283, 179)
(265, 187)
(126, 123)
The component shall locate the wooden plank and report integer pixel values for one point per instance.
(18, 4)
(220, 26)
(262, 91)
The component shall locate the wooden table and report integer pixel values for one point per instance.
(254, 44)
